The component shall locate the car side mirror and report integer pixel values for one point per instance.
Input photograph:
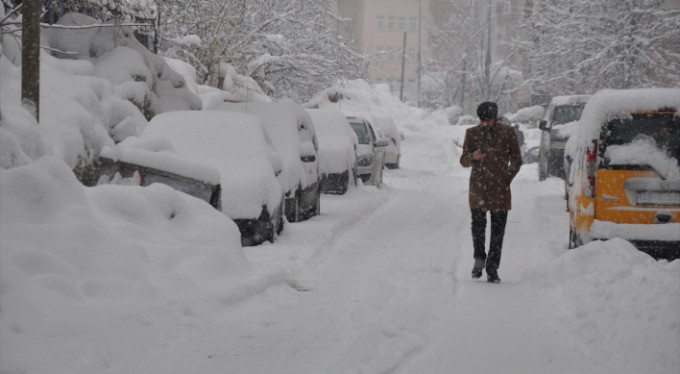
(381, 143)
(307, 152)
(543, 125)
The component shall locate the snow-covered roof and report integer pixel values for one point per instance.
(234, 144)
(336, 140)
(528, 114)
(288, 127)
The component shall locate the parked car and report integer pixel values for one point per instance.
(135, 162)
(370, 151)
(562, 110)
(236, 145)
(337, 150)
(387, 129)
(625, 179)
(294, 137)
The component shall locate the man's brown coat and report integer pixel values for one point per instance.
(491, 176)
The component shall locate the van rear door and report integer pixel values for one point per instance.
(638, 177)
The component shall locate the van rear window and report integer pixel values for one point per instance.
(567, 113)
(660, 129)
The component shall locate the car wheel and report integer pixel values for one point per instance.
(297, 214)
(279, 226)
(317, 208)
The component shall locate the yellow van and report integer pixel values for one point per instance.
(624, 180)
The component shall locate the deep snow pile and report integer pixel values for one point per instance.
(77, 262)
(622, 305)
(97, 95)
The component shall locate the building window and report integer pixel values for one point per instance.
(402, 23)
(413, 23)
(412, 54)
(381, 22)
(390, 23)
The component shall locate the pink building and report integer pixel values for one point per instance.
(377, 30)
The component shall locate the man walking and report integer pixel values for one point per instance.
(492, 150)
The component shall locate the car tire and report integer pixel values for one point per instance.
(297, 214)
(279, 226)
(317, 207)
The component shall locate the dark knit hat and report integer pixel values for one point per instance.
(487, 111)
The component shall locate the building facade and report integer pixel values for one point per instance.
(378, 28)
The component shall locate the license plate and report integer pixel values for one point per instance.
(657, 198)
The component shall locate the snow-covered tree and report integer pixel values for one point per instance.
(462, 60)
(287, 46)
(582, 46)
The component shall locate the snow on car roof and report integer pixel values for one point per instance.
(608, 104)
(281, 121)
(233, 143)
(159, 154)
(569, 99)
(336, 139)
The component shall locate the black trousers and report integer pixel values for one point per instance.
(498, 220)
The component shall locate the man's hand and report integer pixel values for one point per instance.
(478, 155)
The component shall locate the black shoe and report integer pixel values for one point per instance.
(492, 276)
(477, 269)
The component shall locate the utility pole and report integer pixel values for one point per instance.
(403, 64)
(419, 68)
(487, 64)
(30, 57)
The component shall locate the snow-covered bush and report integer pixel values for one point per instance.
(138, 75)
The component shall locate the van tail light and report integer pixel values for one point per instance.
(591, 171)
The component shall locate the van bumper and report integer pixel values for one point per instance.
(659, 249)
(661, 241)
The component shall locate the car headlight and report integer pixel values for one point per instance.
(365, 160)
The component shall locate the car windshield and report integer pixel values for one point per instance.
(660, 130)
(567, 113)
(361, 131)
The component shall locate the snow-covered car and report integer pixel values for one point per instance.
(337, 150)
(370, 154)
(625, 178)
(237, 146)
(562, 110)
(386, 129)
(293, 135)
(136, 162)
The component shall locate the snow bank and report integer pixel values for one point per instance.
(236, 88)
(621, 303)
(79, 114)
(357, 98)
(138, 74)
(78, 261)
(20, 140)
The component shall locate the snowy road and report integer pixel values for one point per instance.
(385, 288)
